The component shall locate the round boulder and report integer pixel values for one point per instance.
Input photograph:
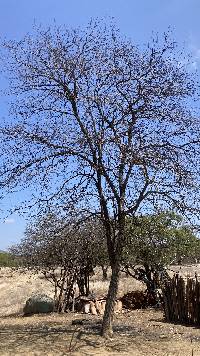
(39, 303)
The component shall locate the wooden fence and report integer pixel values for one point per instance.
(181, 299)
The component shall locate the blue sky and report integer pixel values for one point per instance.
(136, 19)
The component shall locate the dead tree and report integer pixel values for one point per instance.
(100, 125)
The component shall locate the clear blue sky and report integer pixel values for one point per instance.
(137, 19)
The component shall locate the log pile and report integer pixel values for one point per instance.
(95, 306)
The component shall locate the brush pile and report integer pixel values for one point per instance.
(138, 300)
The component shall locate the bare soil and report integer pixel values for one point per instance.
(136, 333)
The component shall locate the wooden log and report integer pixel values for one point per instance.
(118, 306)
(86, 308)
(93, 308)
(98, 307)
(103, 305)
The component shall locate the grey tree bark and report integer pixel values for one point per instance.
(107, 325)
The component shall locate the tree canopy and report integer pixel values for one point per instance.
(160, 239)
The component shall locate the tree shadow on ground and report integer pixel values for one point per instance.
(175, 323)
(50, 337)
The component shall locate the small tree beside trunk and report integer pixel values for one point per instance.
(65, 253)
(154, 243)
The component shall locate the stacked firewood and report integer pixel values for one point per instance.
(96, 306)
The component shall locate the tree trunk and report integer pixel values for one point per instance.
(105, 272)
(87, 282)
(62, 289)
(107, 330)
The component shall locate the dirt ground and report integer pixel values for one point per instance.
(136, 333)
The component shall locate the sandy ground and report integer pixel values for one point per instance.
(136, 333)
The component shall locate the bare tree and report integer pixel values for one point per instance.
(49, 249)
(65, 254)
(100, 125)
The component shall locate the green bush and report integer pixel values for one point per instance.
(7, 260)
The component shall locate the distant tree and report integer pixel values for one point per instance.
(7, 260)
(101, 126)
(154, 243)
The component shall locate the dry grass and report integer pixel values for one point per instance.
(126, 284)
(16, 287)
(137, 333)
